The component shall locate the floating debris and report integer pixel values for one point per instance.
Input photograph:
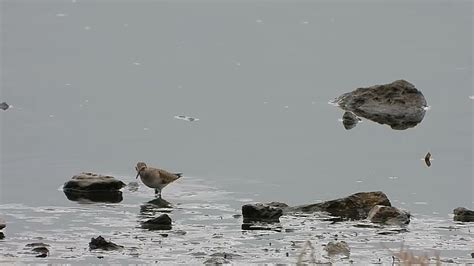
(4, 106)
(186, 118)
(428, 159)
(398, 104)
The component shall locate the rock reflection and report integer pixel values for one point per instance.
(94, 196)
(398, 104)
(152, 207)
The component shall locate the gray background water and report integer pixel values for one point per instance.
(95, 86)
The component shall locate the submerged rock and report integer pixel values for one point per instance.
(93, 182)
(337, 248)
(216, 261)
(101, 243)
(354, 207)
(2, 236)
(270, 212)
(162, 222)
(41, 249)
(398, 104)
(349, 120)
(4, 106)
(389, 215)
(463, 215)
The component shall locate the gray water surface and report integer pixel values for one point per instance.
(96, 85)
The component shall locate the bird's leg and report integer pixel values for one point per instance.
(158, 193)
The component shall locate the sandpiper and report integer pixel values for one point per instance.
(155, 178)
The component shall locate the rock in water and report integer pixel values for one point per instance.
(463, 215)
(162, 222)
(3, 224)
(93, 182)
(4, 106)
(398, 104)
(349, 120)
(388, 215)
(89, 187)
(41, 249)
(262, 212)
(354, 207)
(101, 243)
(337, 248)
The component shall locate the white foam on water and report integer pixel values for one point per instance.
(259, 21)
(137, 63)
(87, 28)
(61, 15)
(186, 118)
(471, 97)
(420, 203)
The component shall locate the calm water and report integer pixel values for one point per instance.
(95, 86)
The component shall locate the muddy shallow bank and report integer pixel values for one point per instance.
(206, 226)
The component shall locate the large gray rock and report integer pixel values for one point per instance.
(463, 215)
(388, 215)
(93, 182)
(261, 212)
(398, 104)
(354, 207)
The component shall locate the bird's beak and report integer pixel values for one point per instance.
(138, 173)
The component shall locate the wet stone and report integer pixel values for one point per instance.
(337, 248)
(41, 249)
(90, 187)
(349, 120)
(3, 224)
(463, 215)
(261, 212)
(162, 222)
(216, 261)
(389, 215)
(101, 243)
(354, 207)
(93, 182)
(398, 104)
(2, 236)
(4, 106)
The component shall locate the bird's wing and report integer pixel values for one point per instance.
(167, 177)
